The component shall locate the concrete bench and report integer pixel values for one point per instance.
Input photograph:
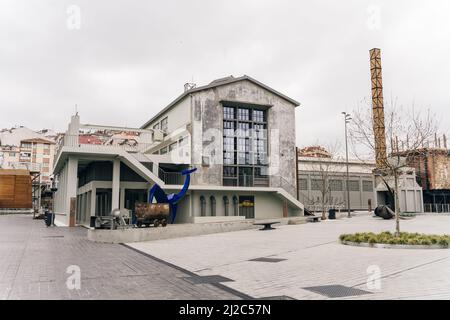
(267, 225)
(313, 219)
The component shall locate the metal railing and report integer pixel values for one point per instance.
(174, 178)
(100, 142)
(436, 207)
(30, 166)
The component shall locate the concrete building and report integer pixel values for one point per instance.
(323, 176)
(323, 180)
(238, 133)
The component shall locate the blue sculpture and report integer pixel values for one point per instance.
(172, 199)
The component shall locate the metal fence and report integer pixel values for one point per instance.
(437, 207)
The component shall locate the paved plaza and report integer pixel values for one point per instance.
(291, 262)
(292, 259)
(34, 261)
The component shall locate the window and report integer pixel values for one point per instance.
(316, 184)
(46, 146)
(336, 185)
(367, 186)
(258, 116)
(226, 205)
(26, 145)
(353, 185)
(164, 124)
(245, 145)
(212, 200)
(163, 150)
(229, 158)
(183, 141)
(228, 144)
(228, 128)
(202, 206)
(173, 146)
(243, 114)
(156, 126)
(303, 184)
(228, 113)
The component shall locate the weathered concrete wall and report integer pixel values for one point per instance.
(208, 123)
(439, 171)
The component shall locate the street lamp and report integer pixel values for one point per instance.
(347, 119)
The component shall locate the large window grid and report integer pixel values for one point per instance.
(245, 146)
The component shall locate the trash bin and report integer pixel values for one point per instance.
(92, 224)
(48, 218)
(332, 214)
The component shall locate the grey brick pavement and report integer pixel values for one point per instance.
(33, 262)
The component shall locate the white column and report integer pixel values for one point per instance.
(115, 185)
(122, 198)
(93, 201)
(72, 181)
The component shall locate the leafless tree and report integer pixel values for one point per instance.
(408, 132)
(324, 168)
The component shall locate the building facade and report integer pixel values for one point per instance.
(237, 132)
(22, 148)
(323, 180)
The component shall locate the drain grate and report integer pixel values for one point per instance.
(264, 259)
(337, 291)
(207, 279)
(53, 237)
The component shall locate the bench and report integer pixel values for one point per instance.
(313, 219)
(267, 225)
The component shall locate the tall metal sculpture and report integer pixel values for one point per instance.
(378, 108)
(156, 192)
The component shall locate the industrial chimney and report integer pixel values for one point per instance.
(378, 108)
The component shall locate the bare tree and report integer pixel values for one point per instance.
(407, 133)
(324, 168)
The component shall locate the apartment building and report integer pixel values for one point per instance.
(22, 148)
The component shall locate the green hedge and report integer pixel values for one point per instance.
(404, 238)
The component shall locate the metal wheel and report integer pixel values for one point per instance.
(156, 223)
(164, 222)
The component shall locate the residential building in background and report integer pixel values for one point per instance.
(23, 148)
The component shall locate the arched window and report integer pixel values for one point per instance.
(226, 205)
(202, 206)
(213, 206)
(235, 206)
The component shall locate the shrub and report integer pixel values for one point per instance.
(387, 237)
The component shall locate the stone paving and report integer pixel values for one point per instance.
(34, 261)
(313, 257)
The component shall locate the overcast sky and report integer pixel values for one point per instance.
(128, 59)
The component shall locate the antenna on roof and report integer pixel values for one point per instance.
(76, 109)
(188, 86)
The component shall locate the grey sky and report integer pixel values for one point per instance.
(129, 59)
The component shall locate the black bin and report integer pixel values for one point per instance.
(48, 218)
(332, 214)
(92, 224)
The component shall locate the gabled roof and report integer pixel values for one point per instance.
(216, 83)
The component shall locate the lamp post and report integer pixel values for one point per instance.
(347, 119)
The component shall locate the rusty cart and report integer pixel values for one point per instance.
(156, 214)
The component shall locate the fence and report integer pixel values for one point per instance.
(437, 207)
